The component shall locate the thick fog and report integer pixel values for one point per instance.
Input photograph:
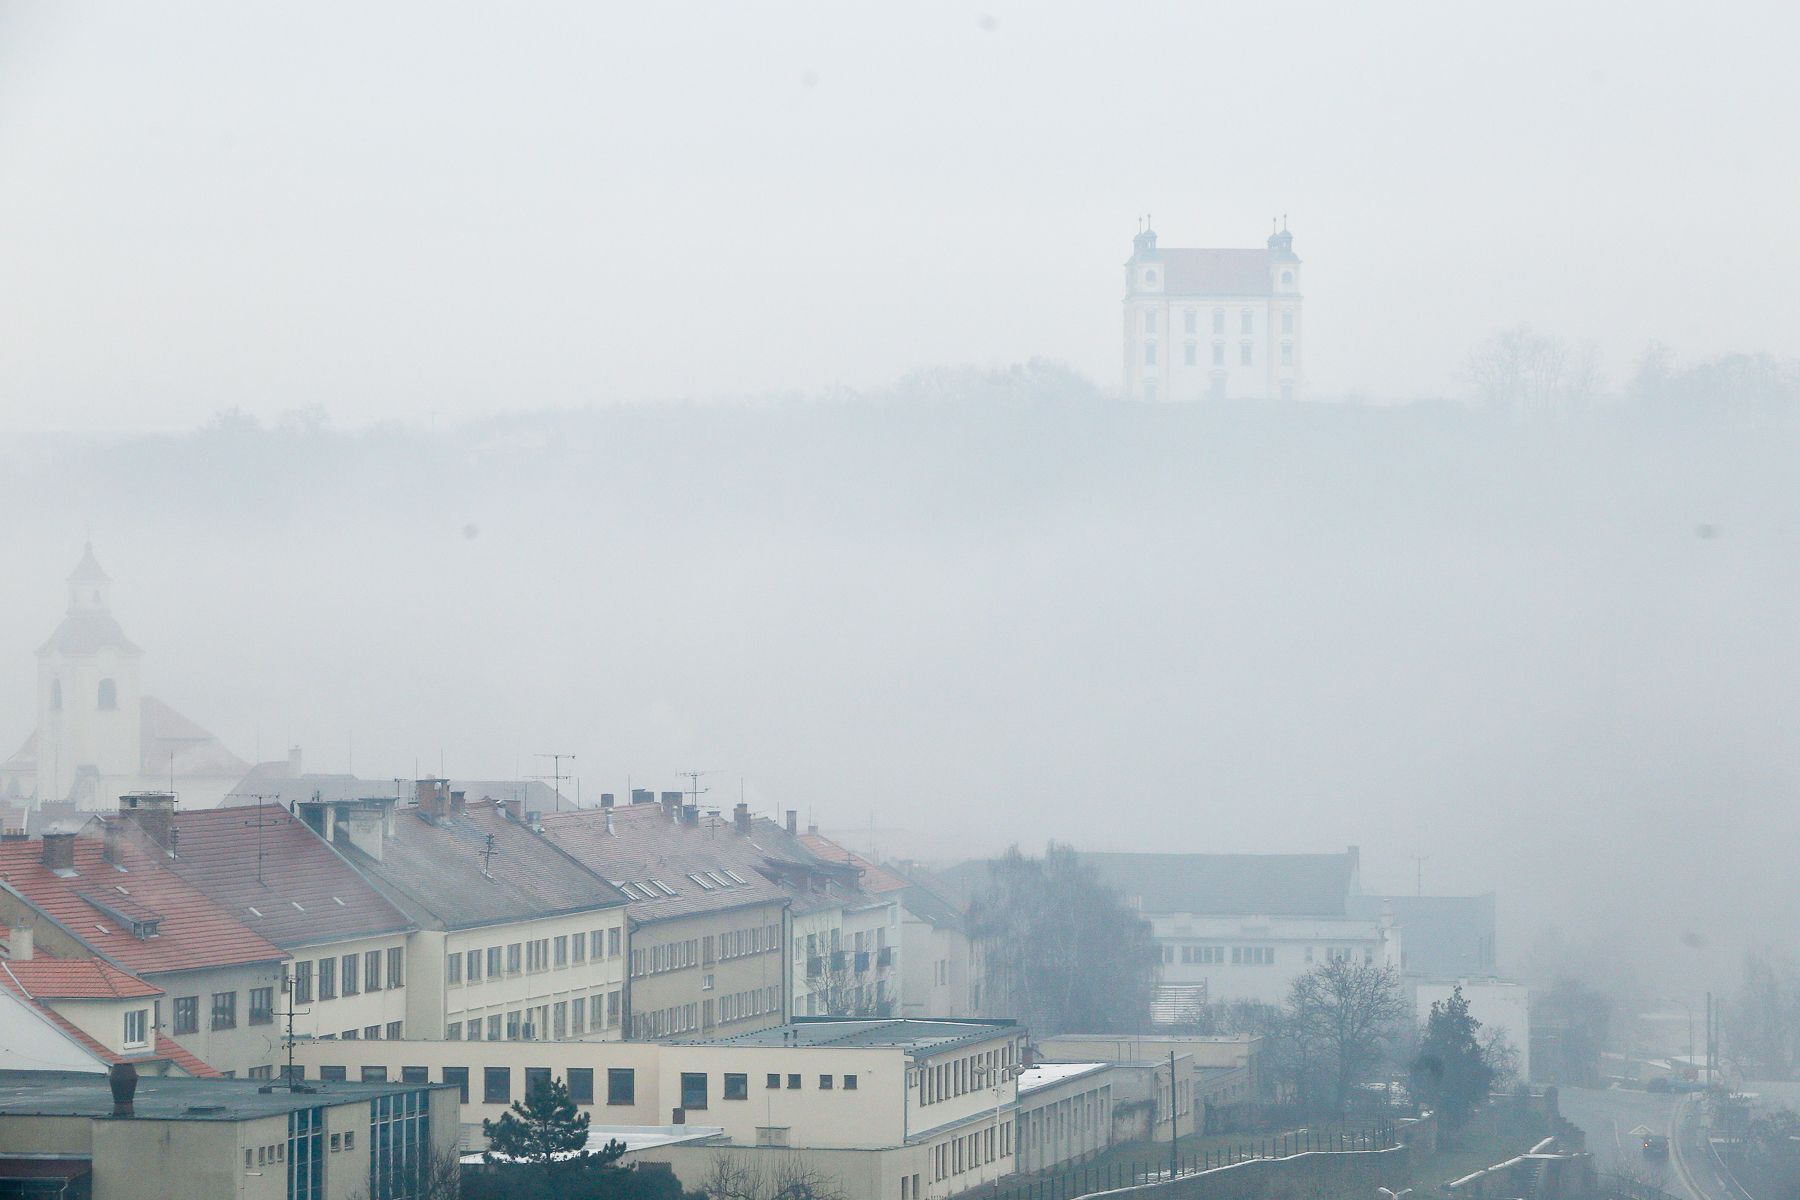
(446, 387)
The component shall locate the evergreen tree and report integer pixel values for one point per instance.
(546, 1125)
(1452, 1074)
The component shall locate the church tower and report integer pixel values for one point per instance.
(89, 739)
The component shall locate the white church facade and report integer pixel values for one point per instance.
(98, 736)
(1205, 324)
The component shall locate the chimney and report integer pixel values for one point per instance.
(740, 816)
(606, 799)
(59, 850)
(643, 796)
(432, 797)
(812, 830)
(294, 771)
(362, 823)
(671, 805)
(793, 823)
(124, 1080)
(153, 812)
(515, 810)
(690, 814)
(458, 802)
(22, 944)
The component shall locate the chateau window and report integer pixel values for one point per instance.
(1245, 354)
(1287, 354)
(1149, 354)
(1287, 320)
(1191, 354)
(1190, 321)
(1149, 320)
(109, 695)
(1246, 321)
(55, 694)
(1218, 320)
(1287, 279)
(1218, 354)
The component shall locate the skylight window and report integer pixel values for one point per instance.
(718, 879)
(701, 880)
(736, 878)
(297, 905)
(254, 911)
(667, 890)
(339, 902)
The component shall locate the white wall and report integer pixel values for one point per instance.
(1496, 1003)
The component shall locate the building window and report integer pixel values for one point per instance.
(460, 1077)
(135, 1023)
(621, 1085)
(493, 962)
(1245, 354)
(109, 695)
(1287, 354)
(372, 971)
(1190, 321)
(1287, 320)
(393, 1030)
(512, 1025)
(824, 1083)
(347, 976)
(493, 1028)
(1190, 354)
(578, 946)
(612, 943)
(224, 1010)
(559, 1019)
(693, 1090)
(581, 1084)
(327, 978)
(55, 695)
(535, 1078)
(453, 1031)
(453, 968)
(1246, 321)
(374, 1074)
(262, 1006)
(395, 970)
(473, 959)
(1218, 354)
(1150, 278)
(1149, 320)
(512, 959)
(1218, 320)
(560, 951)
(372, 1033)
(849, 1083)
(331, 1075)
(1149, 354)
(496, 1085)
(737, 1086)
(793, 1082)
(303, 982)
(187, 1014)
(1287, 279)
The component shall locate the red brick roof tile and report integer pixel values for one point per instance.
(75, 979)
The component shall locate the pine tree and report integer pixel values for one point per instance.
(546, 1125)
(1452, 1074)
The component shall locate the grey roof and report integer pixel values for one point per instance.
(88, 569)
(636, 843)
(276, 785)
(1216, 272)
(914, 1036)
(175, 1098)
(1273, 885)
(88, 631)
(1439, 935)
(433, 870)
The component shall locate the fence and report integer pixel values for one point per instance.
(1100, 1176)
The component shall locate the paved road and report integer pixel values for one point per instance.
(1608, 1117)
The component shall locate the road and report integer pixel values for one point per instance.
(1608, 1117)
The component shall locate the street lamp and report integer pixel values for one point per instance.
(999, 1075)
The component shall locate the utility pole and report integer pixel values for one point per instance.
(555, 777)
(287, 986)
(1174, 1123)
(1419, 861)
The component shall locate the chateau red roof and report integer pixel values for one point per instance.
(75, 979)
(191, 931)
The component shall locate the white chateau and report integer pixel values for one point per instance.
(98, 736)
(1212, 324)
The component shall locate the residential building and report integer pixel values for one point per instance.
(845, 951)
(1211, 1075)
(519, 939)
(708, 928)
(128, 1138)
(98, 735)
(1245, 926)
(1213, 324)
(888, 1108)
(942, 971)
(101, 895)
(349, 973)
(1065, 1113)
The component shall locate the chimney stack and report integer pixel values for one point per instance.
(793, 821)
(643, 796)
(432, 797)
(741, 817)
(671, 805)
(294, 771)
(124, 1080)
(606, 799)
(515, 810)
(458, 802)
(690, 814)
(59, 850)
(152, 812)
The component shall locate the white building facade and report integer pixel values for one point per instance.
(1213, 324)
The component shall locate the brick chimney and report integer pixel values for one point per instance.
(123, 1078)
(294, 770)
(606, 799)
(458, 802)
(59, 850)
(793, 821)
(643, 796)
(152, 812)
(432, 797)
(740, 816)
(671, 805)
(515, 809)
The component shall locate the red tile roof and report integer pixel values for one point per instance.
(192, 932)
(167, 1048)
(874, 878)
(75, 979)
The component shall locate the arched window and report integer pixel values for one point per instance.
(1287, 279)
(109, 695)
(56, 695)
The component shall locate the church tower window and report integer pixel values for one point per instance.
(109, 695)
(56, 695)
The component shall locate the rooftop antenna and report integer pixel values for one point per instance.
(694, 789)
(287, 987)
(259, 825)
(1419, 861)
(487, 856)
(556, 776)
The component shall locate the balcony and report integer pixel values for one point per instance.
(838, 960)
(815, 967)
(884, 957)
(862, 962)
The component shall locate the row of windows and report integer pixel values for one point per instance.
(106, 697)
(697, 952)
(568, 1018)
(1190, 320)
(971, 1150)
(971, 1072)
(542, 954)
(348, 975)
(224, 1012)
(369, 1033)
(1246, 354)
(736, 1086)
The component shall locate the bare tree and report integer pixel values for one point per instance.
(1342, 1019)
(756, 1177)
(1525, 373)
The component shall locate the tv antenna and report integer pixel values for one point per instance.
(287, 987)
(488, 851)
(259, 825)
(694, 789)
(556, 776)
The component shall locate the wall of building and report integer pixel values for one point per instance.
(1258, 958)
(317, 1017)
(534, 995)
(813, 937)
(937, 971)
(1067, 1121)
(1496, 1003)
(872, 1113)
(236, 1050)
(704, 985)
(46, 1135)
(104, 1021)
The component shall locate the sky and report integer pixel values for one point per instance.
(426, 212)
